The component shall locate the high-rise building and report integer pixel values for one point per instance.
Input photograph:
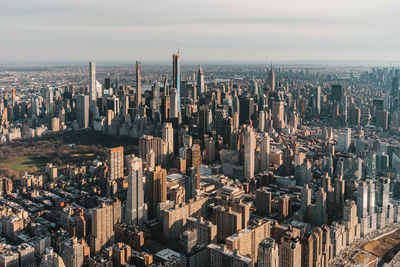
(51, 259)
(249, 151)
(121, 254)
(104, 218)
(337, 93)
(168, 136)
(263, 201)
(264, 152)
(194, 159)
(278, 112)
(83, 111)
(246, 106)
(383, 192)
(268, 253)
(174, 103)
(395, 87)
(191, 183)
(138, 83)
(317, 100)
(200, 81)
(176, 81)
(92, 81)
(271, 83)
(135, 197)
(115, 162)
(221, 256)
(290, 252)
(73, 253)
(157, 189)
(148, 143)
(320, 209)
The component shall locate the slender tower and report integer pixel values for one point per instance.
(200, 81)
(176, 71)
(135, 202)
(92, 80)
(138, 83)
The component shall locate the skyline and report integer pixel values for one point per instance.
(310, 30)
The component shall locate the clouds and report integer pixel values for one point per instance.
(208, 29)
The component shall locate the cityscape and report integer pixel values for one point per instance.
(198, 163)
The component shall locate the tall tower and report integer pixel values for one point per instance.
(271, 79)
(320, 214)
(83, 111)
(268, 253)
(290, 252)
(138, 83)
(249, 151)
(157, 189)
(174, 103)
(115, 159)
(92, 80)
(200, 81)
(73, 253)
(135, 202)
(265, 147)
(168, 136)
(176, 71)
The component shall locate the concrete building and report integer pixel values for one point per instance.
(268, 253)
(157, 190)
(135, 198)
(115, 161)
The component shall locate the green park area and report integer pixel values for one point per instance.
(26, 162)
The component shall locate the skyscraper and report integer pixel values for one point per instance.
(268, 253)
(83, 111)
(263, 201)
(51, 259)
(168, 136)
(73, 253)
(157, 189)
(115, 160)
(104, 218)
(174, 103)
(337, 93)
(138, 83)
(320, 212)
(200, 81)
(92, 81)
(290, 252)
(271, 79)
(176, 71)
(317, 100)
(264, 151)
(278, 113)
(135, 202)
(249, 151)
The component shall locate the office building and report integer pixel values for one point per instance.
(200, 81)
(249, 151)
(268, 253)
(115, 163)
(138, 84)
(289, 252)
(176, 80)
(263, 201)
(92, 81)
(157, 190)
(135, 198)
(82, 112)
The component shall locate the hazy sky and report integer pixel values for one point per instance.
(256, 30)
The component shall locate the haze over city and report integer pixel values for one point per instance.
(205, 30)
(166, 133)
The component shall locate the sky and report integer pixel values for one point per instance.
(204, 30)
